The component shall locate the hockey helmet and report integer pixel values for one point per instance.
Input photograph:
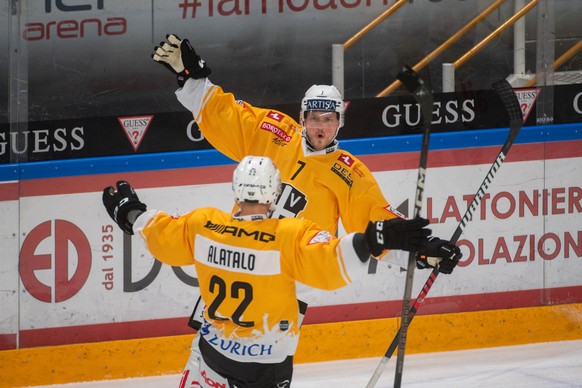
(323, 98)
(257, 180)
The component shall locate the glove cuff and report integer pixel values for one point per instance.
(194, 72)
(181, 79)
(372, 235)
(124, 220)
(361, 247)
(421, 262)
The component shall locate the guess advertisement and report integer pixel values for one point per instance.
(83, 279)
(177, 131)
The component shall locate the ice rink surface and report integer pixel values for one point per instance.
(553, 364)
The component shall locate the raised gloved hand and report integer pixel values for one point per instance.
(397, 233)
(441, 253)
(119, 203)
(180, 57)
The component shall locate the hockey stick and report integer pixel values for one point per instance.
(511, 104)
(424, 97)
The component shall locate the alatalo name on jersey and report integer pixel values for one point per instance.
(230, 258)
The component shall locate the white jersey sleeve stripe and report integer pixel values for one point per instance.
(194, 95)
(351, 266)
(341, 265)
(142, 221)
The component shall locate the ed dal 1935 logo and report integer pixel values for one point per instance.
(47, 248)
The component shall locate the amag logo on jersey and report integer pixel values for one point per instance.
(235, 231)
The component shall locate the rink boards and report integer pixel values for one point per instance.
(319, 342)
(82, 281)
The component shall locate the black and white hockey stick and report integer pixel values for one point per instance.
(424, 98)
(511, 104)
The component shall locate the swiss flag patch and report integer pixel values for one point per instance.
(275, 116)
(346, 159)
(320, 237)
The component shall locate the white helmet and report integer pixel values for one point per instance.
(323, 98)
(256, 179)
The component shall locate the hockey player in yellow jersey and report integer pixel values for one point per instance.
(247, 265)
(321, 182)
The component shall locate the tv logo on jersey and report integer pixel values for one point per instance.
(290, 203)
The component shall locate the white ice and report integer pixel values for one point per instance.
(552, 364)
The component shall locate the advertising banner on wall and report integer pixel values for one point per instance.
(151, 132)
(69, 275)
(83, 279)
(91, 58)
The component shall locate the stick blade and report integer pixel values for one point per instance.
(410, 78)
(509, 99)
(419, 90)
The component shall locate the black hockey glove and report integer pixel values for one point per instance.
(439, 253)
(119, 203)
(397, 233)
(180, 57)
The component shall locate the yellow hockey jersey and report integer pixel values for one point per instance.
(322, 186)
(247, 268)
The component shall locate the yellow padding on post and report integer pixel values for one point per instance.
(322, 342)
